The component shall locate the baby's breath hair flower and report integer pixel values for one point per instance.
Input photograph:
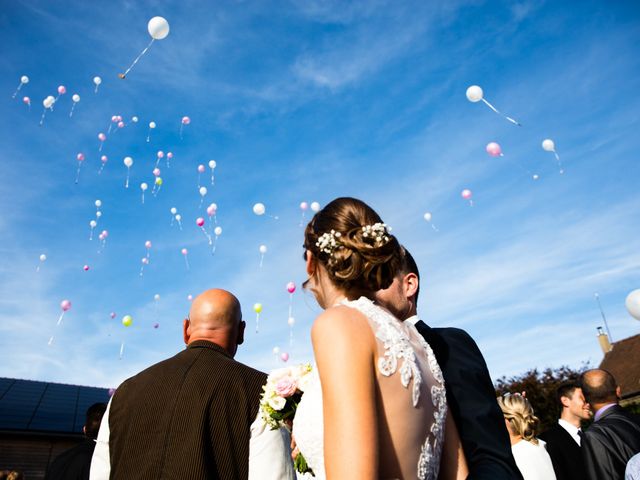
(378, 233)
(328, 242)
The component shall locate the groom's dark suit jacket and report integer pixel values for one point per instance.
(187, 417)
(565, 453)
(472, 401)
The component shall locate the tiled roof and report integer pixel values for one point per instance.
(623, 361)
(27, 405)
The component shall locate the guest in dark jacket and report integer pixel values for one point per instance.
(614, 436)
(470, 393)
(74, 464)
(564, 439)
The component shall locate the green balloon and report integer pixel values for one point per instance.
(127, 320)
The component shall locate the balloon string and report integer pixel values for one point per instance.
(72, 107)
(186, 262)
(60, 319)
(121, 350)
(17, 90)
(50, 342)
(291, 336)
(261, 259)
(126, 185)
(137, 58)
(180, 225)
(42, 118)
(181, 127)
(435, 229)
(143, 198)
(78, 173)
(96, 90)
(212, 179)
(91, 234)
(257, 322)
(500, 113)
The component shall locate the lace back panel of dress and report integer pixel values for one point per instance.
(399, 355)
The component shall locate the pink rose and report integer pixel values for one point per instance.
(286, 387)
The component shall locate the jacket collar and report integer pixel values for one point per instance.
(209, 345)
(613, 409)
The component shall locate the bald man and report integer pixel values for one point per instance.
(190, 416)
(614, 436)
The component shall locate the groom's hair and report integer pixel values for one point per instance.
(409, 265)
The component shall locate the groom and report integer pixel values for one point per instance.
(470, 393)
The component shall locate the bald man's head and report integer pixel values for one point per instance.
(215, 316)
(599, 387)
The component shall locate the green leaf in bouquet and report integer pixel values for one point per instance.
(300, 464)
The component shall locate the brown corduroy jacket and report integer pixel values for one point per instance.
(187, 417)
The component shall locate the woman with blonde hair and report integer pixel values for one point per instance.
(529, 452)
(376, 407)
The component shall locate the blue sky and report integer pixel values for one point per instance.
(306, 101)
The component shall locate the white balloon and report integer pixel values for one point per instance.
(152, 124)
(291, 321)
(474, 93)
(75, 98)
(156, 297)
(548, 145)
(428, 216)
(43, 257)
(178, 217)
(24, 79)
(144, 186)
(134, 119)
(128, 161)
(93, 224)
(315, 207)
(203, 191)
(174, 210)
(98, 203)
(259, 209)
(158, 28)
(276, 350)
(263, 249)
(218, 231)
(536, 176)
(212, 164)
(98, 214)
(97, 80)
(633, 304)
(48, 102)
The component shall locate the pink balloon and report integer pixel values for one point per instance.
(145, 261)
(291, 287)
(26, 100)
(86, 268)
(102, 137)
(211, 210)
(186, 120)
(114, 119)
(105, 234)
(62, 90)
(189, 297)
(112, 391)
(65, 305)
(147, 244)
(104, 159)
(156, 172)
(466, 194)
(160, 154)
(201, 168)
(184, 251)
(101, 237)
(112, 314)
(284, 356)
(304, 206)
(80, 157)
(120, 124)
(494, 149)
(118, 118)
(200, 221)
(169, 155)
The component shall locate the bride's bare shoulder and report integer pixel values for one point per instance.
(341, 323)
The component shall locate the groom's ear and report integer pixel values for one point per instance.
(410, 285)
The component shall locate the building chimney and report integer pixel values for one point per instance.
(603, 339)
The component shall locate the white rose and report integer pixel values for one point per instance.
(277, 403)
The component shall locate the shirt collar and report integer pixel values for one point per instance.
(572, 429)
(211, 345)
(601, 411)
(413, 319)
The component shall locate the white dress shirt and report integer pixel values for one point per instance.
(269, 452)
(571, 430)
(413, 319)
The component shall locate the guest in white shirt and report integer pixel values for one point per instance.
(529, 452)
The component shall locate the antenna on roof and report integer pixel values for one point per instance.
(604, 318)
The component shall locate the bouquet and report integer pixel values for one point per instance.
(279, 402)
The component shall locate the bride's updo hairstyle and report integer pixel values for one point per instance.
(349, 239)
(519, 412)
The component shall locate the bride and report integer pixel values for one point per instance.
(376, 407)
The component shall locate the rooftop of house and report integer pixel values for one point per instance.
(623, 361)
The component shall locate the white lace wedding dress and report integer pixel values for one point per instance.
(412, 402)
